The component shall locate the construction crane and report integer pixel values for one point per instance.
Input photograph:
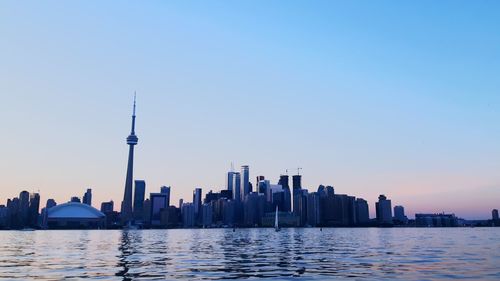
(298, 170)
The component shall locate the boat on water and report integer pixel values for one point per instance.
(276, 223)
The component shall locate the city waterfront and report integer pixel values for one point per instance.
(308, 253)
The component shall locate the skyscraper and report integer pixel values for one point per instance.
(24, 204)
(87, 197)
(166, 190)
(245, 181)
(229, 183)
(197, 202)
(286, 189)
(139, 194)
(383, 210)
(126, 208)
(236, 186)
(362, 212)
(297, 191)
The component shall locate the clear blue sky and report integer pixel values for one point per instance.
(392, 97)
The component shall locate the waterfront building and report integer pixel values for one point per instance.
(74, 215)
(33, 214)
(254, 209)
(399, 215)
(229, 210)
(126, 206)
(188, 215)
(4, 217)
(436, 220)
(285, 219)
(362, 212)
(158, 201)
(207, 217)
(139, 195)
(197, 204)
(300, 207)
(24, 204)
(383, 210)
(87, 197)
(170, 217)
(313, 209)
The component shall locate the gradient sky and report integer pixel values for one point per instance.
(393, 97)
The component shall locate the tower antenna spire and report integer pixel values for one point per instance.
(135, 95)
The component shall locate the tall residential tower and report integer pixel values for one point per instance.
(126, 208)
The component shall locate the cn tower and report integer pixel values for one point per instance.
(126, 208)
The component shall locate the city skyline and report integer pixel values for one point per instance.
(415, 119)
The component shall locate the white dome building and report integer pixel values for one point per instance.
(74, 215)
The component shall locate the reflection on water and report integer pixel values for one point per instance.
(398, 253)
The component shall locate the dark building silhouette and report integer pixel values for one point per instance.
(399, 215)
(158, 201)
(254, 208)
(383, 210)
(126, 206)
(106, 206)
(139, 194)
(33, 210)
(284, 182)
(436, 220)
(87, 197)
(50, 203)
(245, 181)
(494, 215)
(75, 199)
(24, 204)
(362, 212)
(197, 204)
(313, 209)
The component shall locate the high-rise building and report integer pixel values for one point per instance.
(126, 207)
(207, 211)
(33, 210)
(313, 209)
(197, 203)
(362, 212)
(245, 181)
(158, 202)
(257, 180)
(236, 186)
(297, 189)
(384, 210)
(139, 194)
(494, 215)
(399, 215)
(24, 204)
(254, 209)
(106, 207)
(229, 182)
(87, 197)
(287, 206)
(297, 182)
(188, 215)
(166, 190)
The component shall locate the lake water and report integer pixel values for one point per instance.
(371, 253)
